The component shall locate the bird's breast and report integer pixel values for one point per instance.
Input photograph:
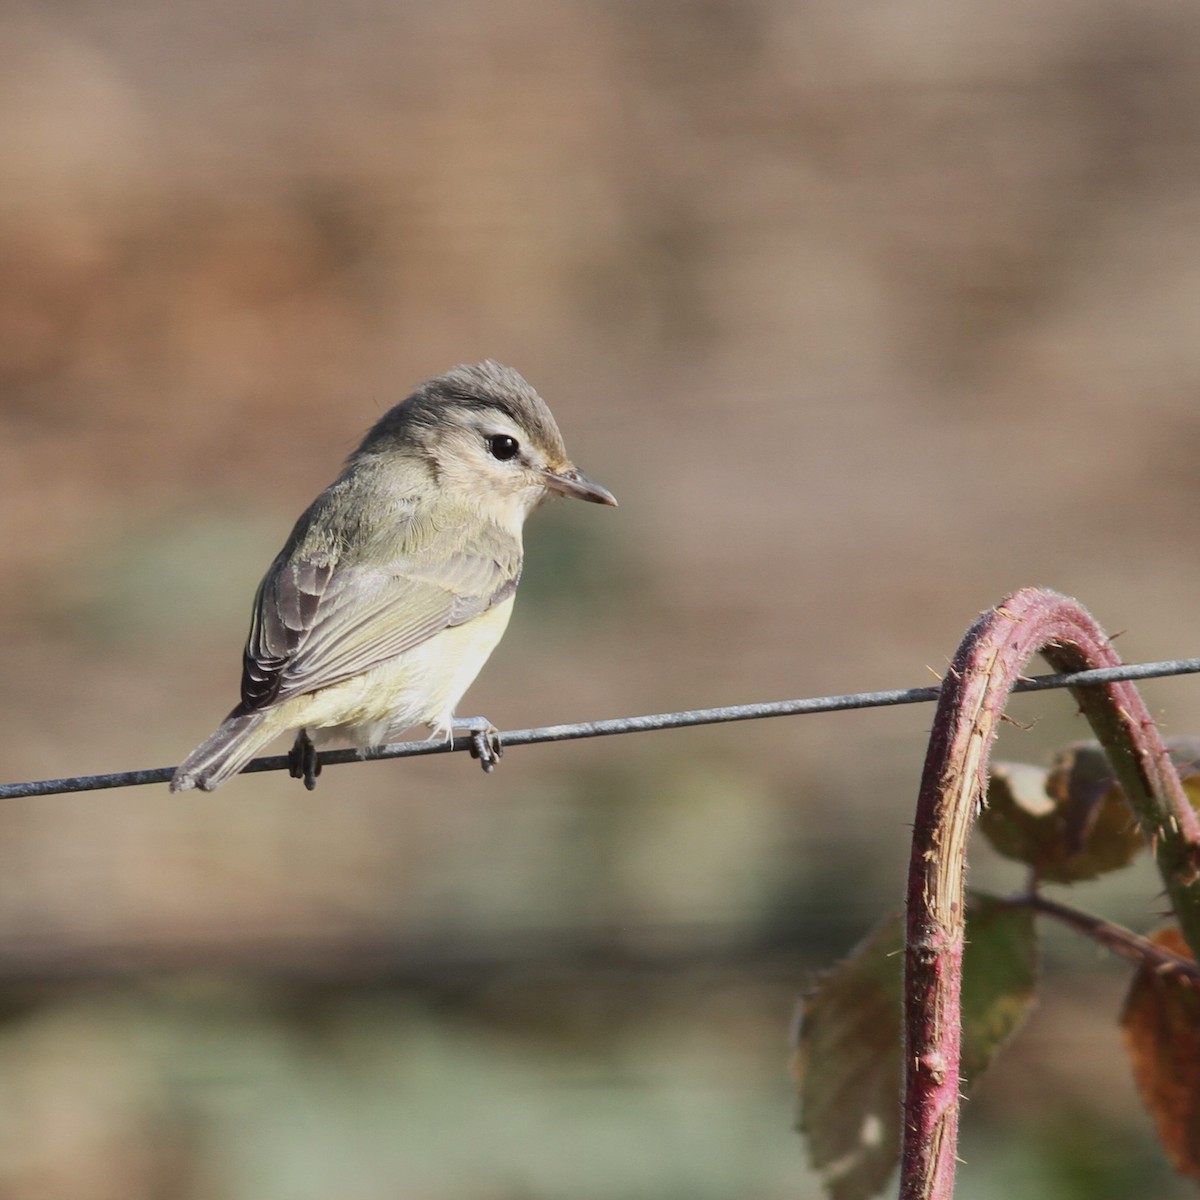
(421, 686)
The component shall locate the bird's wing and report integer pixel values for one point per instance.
(317, 621)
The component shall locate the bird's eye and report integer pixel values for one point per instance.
(503, 447)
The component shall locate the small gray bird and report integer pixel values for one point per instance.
(398, 581)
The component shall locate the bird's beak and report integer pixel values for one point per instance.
(572, 482)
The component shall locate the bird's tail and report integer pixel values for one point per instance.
(240, 737)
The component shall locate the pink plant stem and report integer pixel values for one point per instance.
(1138, 950)
(973, 695)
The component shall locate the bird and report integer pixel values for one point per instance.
(398, 581)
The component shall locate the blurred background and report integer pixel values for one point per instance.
(868, 313)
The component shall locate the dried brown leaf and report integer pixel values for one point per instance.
(1070, 823)
(1161, 1022)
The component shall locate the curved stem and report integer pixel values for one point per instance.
(970, 706)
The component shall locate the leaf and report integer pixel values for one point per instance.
(999, 978)
(848, 1066)
(848, 1057)
(1070, 823)
(1185, 754)
(1017, 816)
(1161, 1021)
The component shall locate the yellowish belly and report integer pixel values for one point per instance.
(422, 686)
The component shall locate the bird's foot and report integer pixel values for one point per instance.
(303, 760)
(485, 739)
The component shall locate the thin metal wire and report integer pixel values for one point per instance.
(621, 725)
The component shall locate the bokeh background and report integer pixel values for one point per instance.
(869, 314)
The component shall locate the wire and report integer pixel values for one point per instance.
(621, 725)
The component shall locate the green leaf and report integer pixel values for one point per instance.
(848, 1066)
(848, 1056)
(999, 978)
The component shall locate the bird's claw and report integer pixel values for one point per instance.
(303, 760)
(485, 741)
(485, 746)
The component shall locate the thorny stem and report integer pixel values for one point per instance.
(970, 706)
(1114, 937)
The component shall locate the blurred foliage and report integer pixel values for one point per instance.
(577, 570)
(151, 579)
(198, 1090)
(1067, 1152)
